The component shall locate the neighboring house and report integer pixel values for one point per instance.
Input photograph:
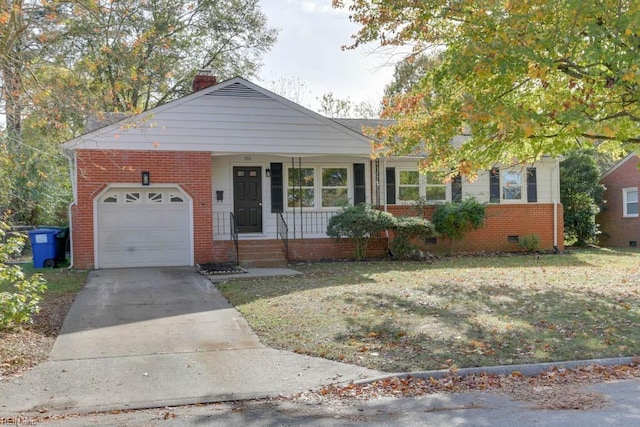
(618, 220)
(171, 185)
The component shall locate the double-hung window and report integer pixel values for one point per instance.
(435, 187)
(513, 185)
(414, 186)
(511, 182)
(408, 185)
(317, 187)
(630, 202)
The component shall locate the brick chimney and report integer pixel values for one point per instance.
(203, 79)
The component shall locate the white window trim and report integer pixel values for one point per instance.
(318, 187)
(625, 192)
(422, 189)
(523, 186)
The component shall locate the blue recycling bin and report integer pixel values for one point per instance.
(44, 247)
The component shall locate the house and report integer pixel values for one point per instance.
(233, 171)
(618, 220)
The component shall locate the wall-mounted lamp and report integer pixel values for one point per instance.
(146, 178)
(219, 196)
(268, 173)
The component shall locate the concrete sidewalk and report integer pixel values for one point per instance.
(137, 338)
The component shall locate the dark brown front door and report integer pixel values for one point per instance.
(247, 198)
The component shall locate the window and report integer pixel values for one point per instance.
(300, 187)
(413, 186)
(511, 182)
(436, 188)
(334, 187)
(630, 202)
(317, 187)
(155, 197)
(408, 186)
(132, 198)
(509, 185)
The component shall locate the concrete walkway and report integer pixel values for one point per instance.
(137, 338)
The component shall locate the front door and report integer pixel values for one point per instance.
(247, 198)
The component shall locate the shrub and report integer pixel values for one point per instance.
(530, 242)
(360, 223)
(406, 228)
(455, 219)
(17, 306)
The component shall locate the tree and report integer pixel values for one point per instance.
(336, 108)
(408, 73)
(140, 54)
(580, 193)
(519, 78)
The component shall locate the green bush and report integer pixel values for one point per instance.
(359, 223)
(19, 295)
(455, 219)
(406, 228)
(530, 242)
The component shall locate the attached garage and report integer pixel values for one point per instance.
(143, 227)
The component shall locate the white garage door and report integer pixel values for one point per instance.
(147, 227)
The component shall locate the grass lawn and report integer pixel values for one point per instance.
(457, 311)
(28, 345)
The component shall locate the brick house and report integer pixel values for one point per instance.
(618, 220)
(235, 171)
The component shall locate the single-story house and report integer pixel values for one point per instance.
(234, 170)
(618, 219)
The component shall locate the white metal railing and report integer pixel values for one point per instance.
(305, 224)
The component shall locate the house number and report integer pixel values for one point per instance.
(247, 158)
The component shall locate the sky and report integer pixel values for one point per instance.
(308, 51)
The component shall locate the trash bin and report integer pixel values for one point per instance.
(44, 247)
(62, 241)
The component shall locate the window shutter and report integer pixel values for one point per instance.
(494, 185)
(391, 186)
(532, 185)
(277, 192)
(359, 186)
(456, 189)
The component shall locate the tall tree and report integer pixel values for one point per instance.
(520, 78)
(138, 54)
(581, 194)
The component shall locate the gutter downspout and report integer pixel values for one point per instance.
(554, 199)
(73, 165)
(384, 188)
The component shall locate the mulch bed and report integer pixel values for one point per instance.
(221, 268)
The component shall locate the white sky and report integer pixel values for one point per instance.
(308, 50)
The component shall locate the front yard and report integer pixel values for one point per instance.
(454, 312)
(26, 346)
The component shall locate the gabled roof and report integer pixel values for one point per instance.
(617, 165)
(235, 116)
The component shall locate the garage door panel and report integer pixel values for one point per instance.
(139, 228)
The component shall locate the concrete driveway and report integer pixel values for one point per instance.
(154, 337)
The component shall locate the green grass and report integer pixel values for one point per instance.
(472, 311)
(59, 280)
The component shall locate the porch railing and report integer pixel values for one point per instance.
(283, 233)
(234, 236)
(300, 225)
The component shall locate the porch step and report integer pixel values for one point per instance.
(262, 253)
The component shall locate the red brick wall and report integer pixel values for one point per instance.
(501, 221)
(99, 168)
(616, 230)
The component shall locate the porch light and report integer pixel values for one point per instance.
(268, 172)
(146, 178)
